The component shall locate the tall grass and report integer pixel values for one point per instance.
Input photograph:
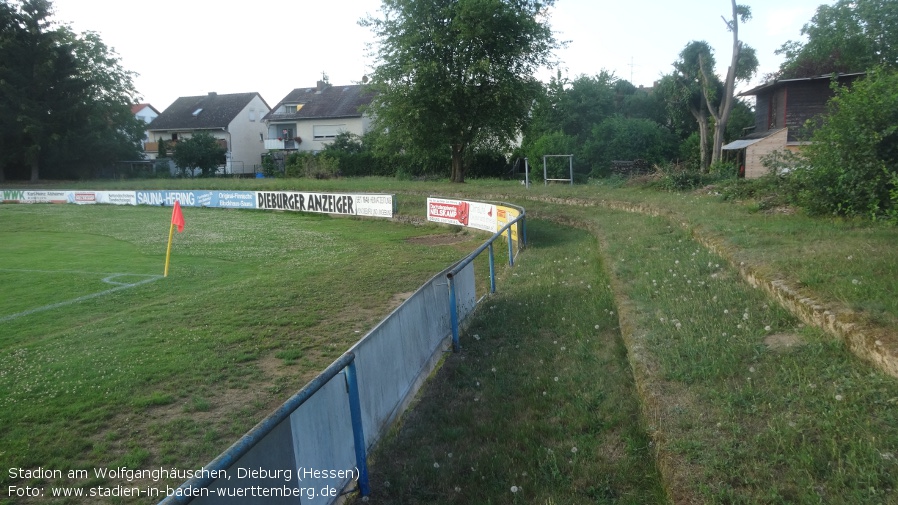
(539, 406)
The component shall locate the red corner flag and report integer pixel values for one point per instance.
(177, 218)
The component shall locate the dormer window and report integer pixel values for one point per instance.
(292, 109)
(197, 112)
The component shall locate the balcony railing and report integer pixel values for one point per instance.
(281, 144)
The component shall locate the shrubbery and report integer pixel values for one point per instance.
(851, 166)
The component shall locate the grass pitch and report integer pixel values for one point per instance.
(104, 363)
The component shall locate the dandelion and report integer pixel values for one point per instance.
(726, 311)
(745, 316)
(436, 465)
(838, 398)
(515, 489)
(751, 369)
(597, 327)
(494, 369)
(855, 282)
(476, 337)
(678, 325)
(457, 489)
(556, 379)
(574, 450)
(767, 328)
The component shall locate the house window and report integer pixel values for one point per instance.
(252, 115)
(174, 136)
(327, 132)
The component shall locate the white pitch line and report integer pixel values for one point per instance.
(120, 286)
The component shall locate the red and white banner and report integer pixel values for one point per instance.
(463, 213)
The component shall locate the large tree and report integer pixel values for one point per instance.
(743, 64)
(847, 36)
(65, 99)
(688, 89)
(454, 73)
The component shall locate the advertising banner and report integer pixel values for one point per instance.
(107, 197)
(327, 203)
(459, 212)
(371, 205)
(168, 198)
(505, 215)
(20, 196)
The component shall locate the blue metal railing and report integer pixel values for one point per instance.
(385, 339)
(488, 245)
(188, 490)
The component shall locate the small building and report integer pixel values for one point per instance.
(307, 119)
(146, 113)
(235, 120)
(782, 111)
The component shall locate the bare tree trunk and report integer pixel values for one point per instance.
(701, 117)
(722, 114)
(458, 163)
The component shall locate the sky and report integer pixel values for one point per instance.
(193, 47)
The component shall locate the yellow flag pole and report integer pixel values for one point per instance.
(171, 232)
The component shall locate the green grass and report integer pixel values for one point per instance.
(732, 414)
(171, 372)
(739, 418)
(540, 399)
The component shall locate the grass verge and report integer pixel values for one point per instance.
(539, 406)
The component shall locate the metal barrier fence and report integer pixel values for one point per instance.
(315, 444)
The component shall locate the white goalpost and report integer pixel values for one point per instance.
(570, 158)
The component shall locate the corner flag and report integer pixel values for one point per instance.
(177, 219)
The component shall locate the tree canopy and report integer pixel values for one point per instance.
(199, 152)
(454, 73)
(845, 37)
(64, 98)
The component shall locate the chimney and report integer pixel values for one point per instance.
(212, 93)
(320, 85)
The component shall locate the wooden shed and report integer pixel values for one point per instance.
(783, 109)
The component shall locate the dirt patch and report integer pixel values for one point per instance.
(437, 240)
(782, 341)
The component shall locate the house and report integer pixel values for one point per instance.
(308, 118)
(146, 113)
(782, 111)
(235, 120)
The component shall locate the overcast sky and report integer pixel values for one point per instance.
(191, 47)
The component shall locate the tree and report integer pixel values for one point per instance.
(199, 152)
(743, 64)
(64, 98)
(454, 73)
(848, 36)
(689, 90)
(621, 138)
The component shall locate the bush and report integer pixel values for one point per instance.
(852, 162)
(314, 166)
(673, 177)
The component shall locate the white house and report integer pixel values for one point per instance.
(234, 119)
(308, 118)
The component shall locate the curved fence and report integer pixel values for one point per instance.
(315, 445)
